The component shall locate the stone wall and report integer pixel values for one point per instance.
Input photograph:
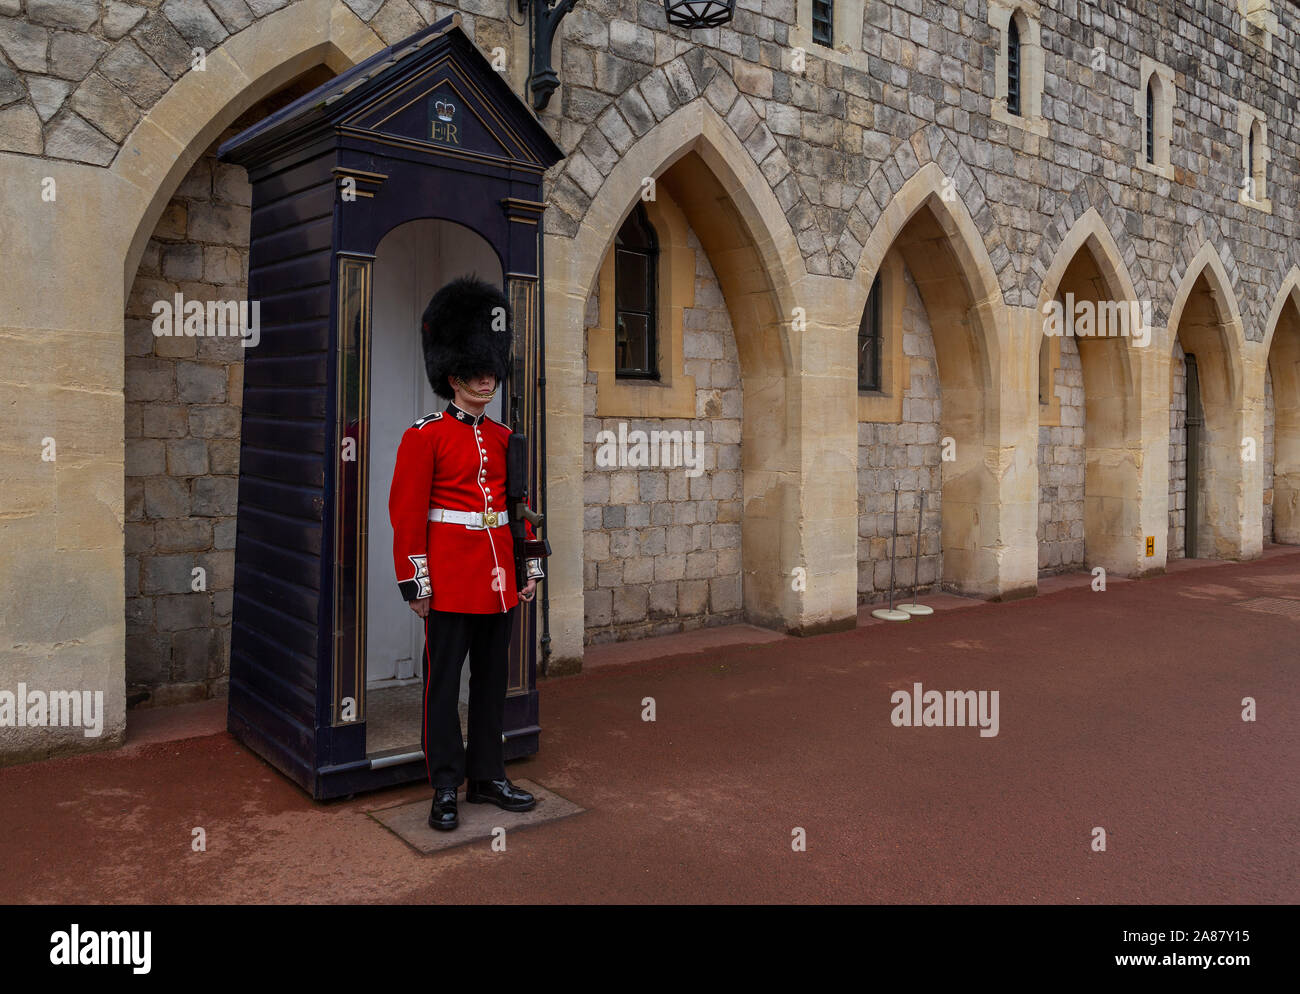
(1061, 456)
(909, 453)
(835, 142)
(661, 548)
(182, 444)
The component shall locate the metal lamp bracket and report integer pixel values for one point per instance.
(545, 16)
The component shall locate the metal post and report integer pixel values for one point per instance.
(889, 614)
(915, 608)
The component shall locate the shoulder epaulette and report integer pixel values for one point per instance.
(427, 419)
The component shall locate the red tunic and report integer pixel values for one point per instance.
(447, 460)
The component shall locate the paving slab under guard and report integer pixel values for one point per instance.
(410, 822)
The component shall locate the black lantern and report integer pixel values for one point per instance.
(699, 13)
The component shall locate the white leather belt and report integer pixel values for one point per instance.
(470, 519)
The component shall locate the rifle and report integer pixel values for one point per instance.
(526, 549)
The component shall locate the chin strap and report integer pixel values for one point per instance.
(477, 395)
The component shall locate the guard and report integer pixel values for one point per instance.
(458, 563)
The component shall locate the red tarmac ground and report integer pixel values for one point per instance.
(1119, 709)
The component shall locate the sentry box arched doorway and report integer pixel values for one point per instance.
(369, 193)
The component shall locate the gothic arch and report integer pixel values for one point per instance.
(1280, 354)
(1088, 195)
(1125, 488)
(987, 534)
(788, 383)
(1206, 320)
(957, 181)
(1288, 289)
(247, 67)
(1214, 249)
(662, 93)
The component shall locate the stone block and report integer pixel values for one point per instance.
(630, 604)
(215, 496)
(670, 568)
(662, 599)
(724, 594)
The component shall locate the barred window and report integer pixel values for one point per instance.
(823, 14)
(870, 340)
(636, 256)
(1013, 67)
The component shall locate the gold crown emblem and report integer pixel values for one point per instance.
(445, 109)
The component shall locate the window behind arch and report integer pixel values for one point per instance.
(1013, 67)
(636, 256)
(869, 340)
(823, 17)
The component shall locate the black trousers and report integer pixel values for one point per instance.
(448, 637)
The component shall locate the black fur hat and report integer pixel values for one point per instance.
(458, 336)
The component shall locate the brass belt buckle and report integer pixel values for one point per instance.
(489, 519)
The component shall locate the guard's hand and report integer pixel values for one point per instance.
(527, 593)
(421, 606)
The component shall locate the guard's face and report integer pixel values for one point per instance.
(482, 383)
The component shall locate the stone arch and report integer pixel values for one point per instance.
(661, 93)
(1205, 320)
(929, 145)
(1124, 496)
(1288, 290)
(245, 68)
(987, 524)
(1090, 194)
(1205, 244)
(1280, 356)
(760, 267)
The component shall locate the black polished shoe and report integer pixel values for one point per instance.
(502, 793)
(442, 815)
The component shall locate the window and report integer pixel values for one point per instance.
(869, 340)
(1153, 110)
(1250, 153)
(1013, 68)
(1255, 160)
(1151, 124)
(636, 252)
(823, 17)
(1253, 183)
(1017, 66)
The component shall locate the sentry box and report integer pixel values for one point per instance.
(369, 193)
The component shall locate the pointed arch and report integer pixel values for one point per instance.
(1206, 262)
(244, 69)
(1280, 356)
(791, 380)
(1206, 320)
(1125, 487)
(986, 526)
(1288, 289)
(958, 182)
(1090, 195)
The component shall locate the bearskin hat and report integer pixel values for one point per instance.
(458, 335)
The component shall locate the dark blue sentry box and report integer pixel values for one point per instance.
(424, 131)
